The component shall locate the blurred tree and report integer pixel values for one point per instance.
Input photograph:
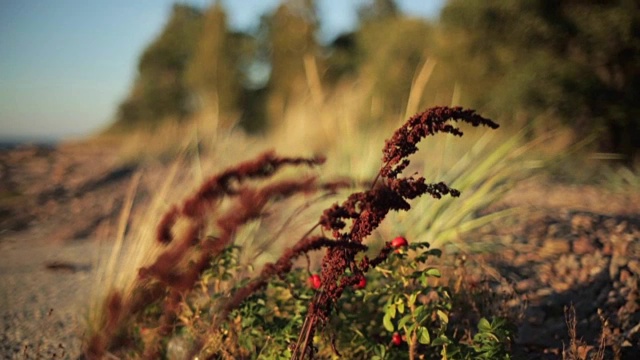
(290, 37)
(386, 50)
(577, 59)
(375, 10)
(215, 70)
(341, 58)
(160, 90)
(347, 52)
(391, 49)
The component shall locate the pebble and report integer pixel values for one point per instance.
(583, 246)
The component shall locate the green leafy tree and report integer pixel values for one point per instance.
(579, 60)
(392, 50)
(290, 38)
(341, 59)
(348, 51)
(160, 90)
(386, 50)
(214, 72)
(378, 10)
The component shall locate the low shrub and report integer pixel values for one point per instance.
(197, 298)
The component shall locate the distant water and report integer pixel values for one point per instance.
(12, 143)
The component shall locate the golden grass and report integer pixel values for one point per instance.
(117, 270)
(483, 169)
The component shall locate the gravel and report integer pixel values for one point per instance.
(583, 259)
(44, 289)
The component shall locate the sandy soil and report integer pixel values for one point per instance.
(43, 293)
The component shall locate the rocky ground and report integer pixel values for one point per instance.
(561, 258)
(573, 245)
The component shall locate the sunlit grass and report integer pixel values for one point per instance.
(488, 167)
(117, 267)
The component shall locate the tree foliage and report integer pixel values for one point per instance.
(290, 35)
(214, 73)
(392, 49)
(376, 10)
(573, 61)
(387, 49)
(579, 60)
(160, 89)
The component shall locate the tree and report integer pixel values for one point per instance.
(341, 58)
(290, 37)
(577, 59)
(160, 90)
(214, 72)
(349, 51)
(392, 50)
(376, 10)
(386, 51)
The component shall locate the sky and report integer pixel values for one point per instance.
(65, 65)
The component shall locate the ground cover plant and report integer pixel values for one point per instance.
(197, 296)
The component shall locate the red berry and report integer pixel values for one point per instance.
(362, 284)
(396, 339)
(399, 242)
(315, 282)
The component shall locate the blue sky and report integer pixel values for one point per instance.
(65, 65)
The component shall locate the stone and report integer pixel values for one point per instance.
(583, 246)
(178, 348)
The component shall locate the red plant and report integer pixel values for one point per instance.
(362, 212)
(366, 210)
(168, 276)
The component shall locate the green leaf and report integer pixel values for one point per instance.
(412, 299)
(391, 310)
(411, 328)
(433, 272)
(435, 252)
(441, 340)
(443, 316)
(401, 307)
(380, 352)
(424, 280)
(423, 335)
(484, 325)
(404, 321)
(386, 321)
(419, 311)
(419, 245)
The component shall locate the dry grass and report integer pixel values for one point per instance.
(118, 286)
(578, 349)
(117, 271)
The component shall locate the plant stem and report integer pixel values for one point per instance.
(413, 346)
